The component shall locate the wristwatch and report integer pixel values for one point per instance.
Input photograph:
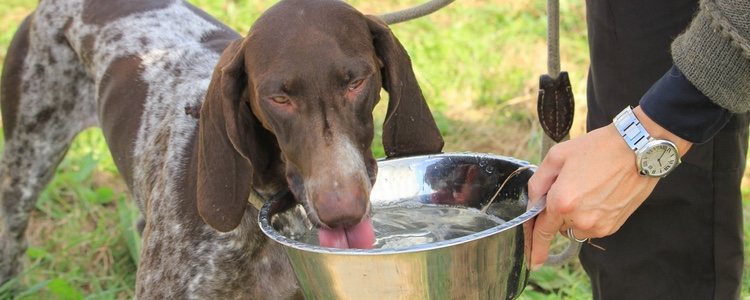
(653, 157)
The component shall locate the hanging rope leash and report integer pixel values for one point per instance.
(414, 12)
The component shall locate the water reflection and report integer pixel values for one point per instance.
(454, 185)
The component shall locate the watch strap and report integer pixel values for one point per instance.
(631, 129)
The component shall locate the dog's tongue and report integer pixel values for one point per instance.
(360, 236)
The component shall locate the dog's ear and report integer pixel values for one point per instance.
(228, 143)
(409, 128)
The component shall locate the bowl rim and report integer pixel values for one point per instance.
(270, 232)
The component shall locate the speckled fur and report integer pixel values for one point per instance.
(65, 64)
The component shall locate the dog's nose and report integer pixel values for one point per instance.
(341, 206)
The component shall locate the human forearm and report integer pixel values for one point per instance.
(659, 132)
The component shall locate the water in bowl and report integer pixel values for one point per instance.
(406, 226)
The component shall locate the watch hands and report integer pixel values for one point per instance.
(659, 159)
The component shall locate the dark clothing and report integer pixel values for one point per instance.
(675, 104)
(685, 241)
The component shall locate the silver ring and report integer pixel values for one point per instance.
(573, 236)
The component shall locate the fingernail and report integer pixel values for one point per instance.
(536, 267)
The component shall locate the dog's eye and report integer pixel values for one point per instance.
(280, 99)
(355, 84)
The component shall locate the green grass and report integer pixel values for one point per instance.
(477, 61)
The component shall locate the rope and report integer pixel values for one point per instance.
(553, 70)
(553, 57)
(414, 12)
(553, 38)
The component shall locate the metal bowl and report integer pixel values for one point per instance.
(490, 264)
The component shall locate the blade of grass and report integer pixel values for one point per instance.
(129, 217)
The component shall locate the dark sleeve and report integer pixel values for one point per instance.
(675, 104)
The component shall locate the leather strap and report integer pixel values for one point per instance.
(555, 106)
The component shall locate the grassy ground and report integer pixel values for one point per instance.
(477, 61)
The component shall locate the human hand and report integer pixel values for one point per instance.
(592, 185)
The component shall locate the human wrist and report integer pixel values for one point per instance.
(657, 131)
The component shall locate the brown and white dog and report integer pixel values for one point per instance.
(198, 119)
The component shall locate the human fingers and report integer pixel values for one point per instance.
(545, 227)
(546, 174)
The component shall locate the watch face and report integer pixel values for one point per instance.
(658, 158)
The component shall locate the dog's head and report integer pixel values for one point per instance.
(299, 91)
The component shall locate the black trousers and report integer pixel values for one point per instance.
(685, 241)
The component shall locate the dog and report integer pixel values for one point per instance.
(200, 121)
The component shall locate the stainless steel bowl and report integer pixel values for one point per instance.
(491, 264)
